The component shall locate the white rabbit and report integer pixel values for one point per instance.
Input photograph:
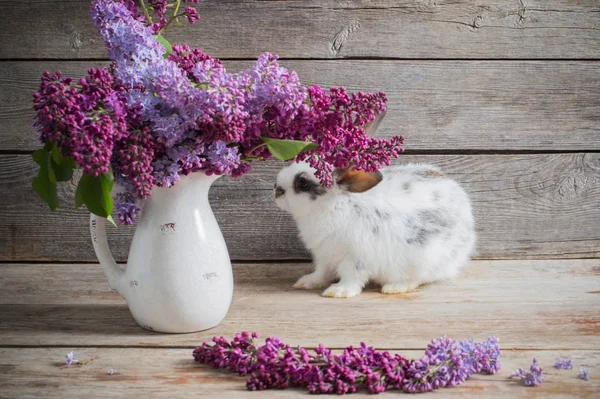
(406, 226)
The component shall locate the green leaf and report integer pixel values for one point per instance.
(61, 173)
(287, 149)
(45, 182)
(95, 192)
(62, 161)
(168, 48)
(110, 219)
(180, 24)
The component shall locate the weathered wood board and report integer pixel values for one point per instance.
(539, 305)
(330, 29)
(172, 373)
(436, 106)
(526, 206)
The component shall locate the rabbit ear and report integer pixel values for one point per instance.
(356, 181)
(371, 127)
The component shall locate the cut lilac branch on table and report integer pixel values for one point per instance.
(162, 111)
(531, 378)
(279, 365)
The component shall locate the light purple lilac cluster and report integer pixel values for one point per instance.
(566, 364)
(279, 365)
(531, 378)
(154, 119)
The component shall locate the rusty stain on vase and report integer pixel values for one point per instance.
(94, 235)
(168, 228)
(210, 276)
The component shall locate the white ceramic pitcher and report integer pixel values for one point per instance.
(178, 277)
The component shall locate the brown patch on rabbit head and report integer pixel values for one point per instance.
(355, 180)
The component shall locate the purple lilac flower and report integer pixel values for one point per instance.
(127, 207)
(222, 159)
(531, 378)
(166, 172)
(563, 364)
(481, 357)
(138, 61)
(154, 119)
(70, 358)
(112, 372)
(584, 374)
(189, 156)
(83, 120)
(442, 365)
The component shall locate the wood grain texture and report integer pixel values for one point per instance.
(172, 373)
(331, 29)
(526, 206)
(450, 105)
(527, 304)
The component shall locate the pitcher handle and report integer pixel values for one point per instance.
(114, 273)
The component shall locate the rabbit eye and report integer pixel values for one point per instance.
(302, 184)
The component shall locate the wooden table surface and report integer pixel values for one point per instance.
(546, 308)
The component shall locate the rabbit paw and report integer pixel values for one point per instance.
(310, 281)
(342, 291)
(399, 288)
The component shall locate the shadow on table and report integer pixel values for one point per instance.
(76, 319)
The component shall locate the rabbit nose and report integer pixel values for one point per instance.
(279, 191)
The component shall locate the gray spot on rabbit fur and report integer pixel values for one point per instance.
(382, 214)
(426, 224)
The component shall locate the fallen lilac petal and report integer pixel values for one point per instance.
(584, 374)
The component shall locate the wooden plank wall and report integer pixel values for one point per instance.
(503, 95)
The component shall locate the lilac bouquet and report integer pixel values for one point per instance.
(278, 365)
(162, 111)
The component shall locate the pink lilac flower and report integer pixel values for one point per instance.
(531, 378)
(563, 364)
(191, 15)
(70, 358)
(584, 374)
